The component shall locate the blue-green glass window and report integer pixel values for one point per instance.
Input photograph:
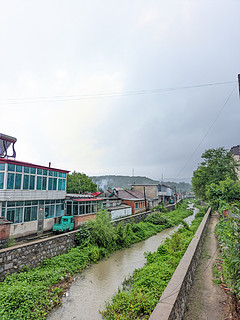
(26, 169)
(10, 181)
(34, 213)
(18, 178)
(64, 175)
(63, 185)
(44, 172)
(55, 184)
(50, 183)
(18, 168)
(27, 214)
(11, 204)
(50, 173)
(15, 215)
(32, 182)
(11, 167)
(39, 183)
(33, 170)
(39, 171)
(60, 174)
(49, 211)
(59, 184)
(10, 214)
(1, 180)
(26, 182)
(55, 173)
(2, 166)
(44, 183)
(58, 210)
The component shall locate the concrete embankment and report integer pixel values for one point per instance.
(172, 303)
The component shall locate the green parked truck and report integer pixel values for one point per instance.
(66, 224)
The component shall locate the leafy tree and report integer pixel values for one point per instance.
(227, 191)
(218, 164)
(80, 183)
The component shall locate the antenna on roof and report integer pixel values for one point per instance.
(5, 143)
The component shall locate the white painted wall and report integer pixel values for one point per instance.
(23, 195)
(121, 213)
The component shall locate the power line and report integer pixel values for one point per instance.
(44, 99)
(209, 129)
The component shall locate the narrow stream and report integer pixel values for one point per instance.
(99, 282)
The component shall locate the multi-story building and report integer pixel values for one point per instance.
(31, 196)
(236, 155)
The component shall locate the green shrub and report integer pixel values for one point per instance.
(83, 236)
(158, 219)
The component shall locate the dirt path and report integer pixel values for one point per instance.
(207, 301)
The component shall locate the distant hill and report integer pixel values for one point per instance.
(112, 181)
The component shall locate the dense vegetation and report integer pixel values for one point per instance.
(142, 291)
(228, 234)
(218, 165)
(215, 181)
(31, 294)
(80, 183)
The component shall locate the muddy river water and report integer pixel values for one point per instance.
(99, 282)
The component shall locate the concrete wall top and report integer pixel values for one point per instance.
(169, 297)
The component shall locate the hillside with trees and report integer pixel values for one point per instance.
(111, 181)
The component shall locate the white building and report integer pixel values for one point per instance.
(31, 196)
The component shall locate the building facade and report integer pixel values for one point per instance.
(31, 196)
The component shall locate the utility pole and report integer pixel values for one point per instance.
(146, 208)
(239, 84)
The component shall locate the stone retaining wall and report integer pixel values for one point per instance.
(174, 298)
(15, 258)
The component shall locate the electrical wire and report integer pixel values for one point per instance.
(44, 99)
(209, 129)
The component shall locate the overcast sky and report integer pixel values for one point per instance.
(82, 83)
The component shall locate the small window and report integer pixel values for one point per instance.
(44, 183)
(32, 182)
(26, 182)
(33, 170)
(1, 180)
(39, 183)
(18, 179)
(50, 183)
(11, 167)
(39, 171)
(26, 169)
(19, 168)
(50, 173)
(2, 166)
(10, 181)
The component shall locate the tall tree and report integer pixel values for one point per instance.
(218, 165)
(80, 183)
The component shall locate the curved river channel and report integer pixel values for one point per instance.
(99, 282)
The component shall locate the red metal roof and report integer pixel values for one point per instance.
(26, 164)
